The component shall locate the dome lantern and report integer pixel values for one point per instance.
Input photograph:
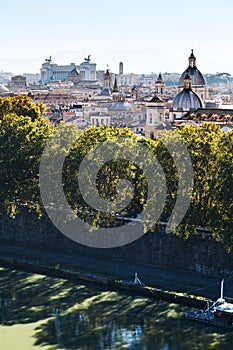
(187, 82)
(192, 59)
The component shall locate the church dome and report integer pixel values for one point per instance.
(120, 106)
(105, 92)
(196, 76)
(186, 100)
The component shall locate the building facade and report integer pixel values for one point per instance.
(17, 83)
(155, 116)
(51, 71)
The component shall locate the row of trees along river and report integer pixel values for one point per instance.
(24, 132)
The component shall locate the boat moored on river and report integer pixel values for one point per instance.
(220, 313)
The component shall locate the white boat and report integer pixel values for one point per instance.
(220, 313)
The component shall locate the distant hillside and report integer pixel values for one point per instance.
(172, 79)
(218, 79)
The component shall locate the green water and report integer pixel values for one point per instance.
(91, 317)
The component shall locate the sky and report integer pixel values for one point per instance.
(147, 35)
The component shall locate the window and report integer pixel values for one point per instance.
(152, 135)
(150, 118)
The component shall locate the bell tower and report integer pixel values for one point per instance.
(115, 91)
(159, 85)
(107, 79)
(121, 69)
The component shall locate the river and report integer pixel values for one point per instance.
(40, 312)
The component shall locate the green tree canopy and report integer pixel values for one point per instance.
(211, 207)
(21, 105)
(22, 139)
(23, 136)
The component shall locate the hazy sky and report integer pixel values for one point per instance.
(146, 35)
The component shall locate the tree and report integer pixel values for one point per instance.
(22, 139)
(211, 204)
(108, 175)
(21, 106)
(24, 133)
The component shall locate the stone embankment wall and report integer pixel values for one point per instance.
(198, 254)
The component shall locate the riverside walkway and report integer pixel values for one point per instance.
(158, 277)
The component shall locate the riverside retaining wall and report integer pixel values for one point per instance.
(198, 254)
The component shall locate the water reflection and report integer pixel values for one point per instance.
(75, 316)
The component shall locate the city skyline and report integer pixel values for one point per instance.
(149, 36)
